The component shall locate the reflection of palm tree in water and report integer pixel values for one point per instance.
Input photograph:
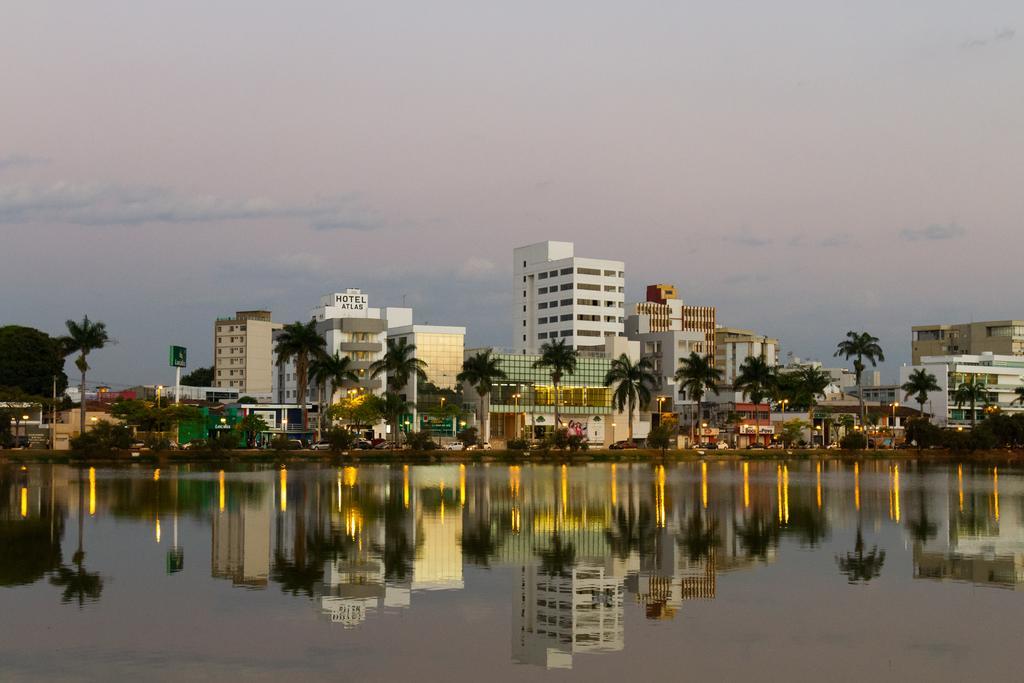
(758, 534)
(700, 536)
(922, 529)
(479, 544)
(558, 558)
(631, 532)
(858, 566)
(78, 584)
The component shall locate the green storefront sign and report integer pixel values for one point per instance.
(178, 356)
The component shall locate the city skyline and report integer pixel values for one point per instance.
(808, 170)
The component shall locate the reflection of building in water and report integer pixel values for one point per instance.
(241, 540)
(353, 589)
(983, 538)
(560, 615)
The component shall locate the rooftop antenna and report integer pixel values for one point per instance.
(403, 301)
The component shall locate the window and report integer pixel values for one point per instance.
(622, 274)
(566, 271)
(609, 273)
(589, 288)
(542, 276)
(541, 321)
(524, 337)
(567, 316)
(589, 318)
(587, 302)
(565, 333)
(588, 333)
(608, 318)
(588, 271)
(542, 335)
(524, 278)
(609, 288)
(542, 290)
(541, 305)
(524, 323)
(566, 286)
(566, 302)
(524, 309)
(553, 273)
(524, 293)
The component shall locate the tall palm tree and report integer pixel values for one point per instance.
(756, 379)
(392, 406)
(860, 346)
(300, 341)
(559, 360)
(633, 383)
(918, 384)
(810, 383)
(696, 376)
(333, 370)
(82, 338)
(399, 365)
(972, 392)
(480, 371)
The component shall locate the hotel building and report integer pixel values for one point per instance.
(999, 337)
(557, 295)
(243, 353)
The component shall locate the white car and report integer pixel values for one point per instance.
(320, 446)
(479, 447)
(455, 446)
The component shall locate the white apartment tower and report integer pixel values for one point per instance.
(561, 296)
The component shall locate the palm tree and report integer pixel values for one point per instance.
(918, 384)
(860, 345)
(480, 371)
(82, 338)
(302, 342)
(756, 379)
(560, 360)
(1020, 395)
(633, 383)
(330, 370)
(811, 383)
(696, 375)
(399, 365)
(392, 406)
(971, 392)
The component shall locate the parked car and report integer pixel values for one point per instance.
(455, 446)
(622, 445)
(755, 446)
(482, 446)
(320, 446)
(364, 445)
(387, 446)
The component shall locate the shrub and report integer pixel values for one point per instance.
(421, 441)
(283, 443)
(223, 441)
(518, 444)
(102, 438)
(576, 442)
(558, 438)
(854, 441)
(469, 436)
(924, 433)
(339, 439)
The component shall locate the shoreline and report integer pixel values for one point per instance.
(243, 456)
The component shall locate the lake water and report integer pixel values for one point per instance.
(631, 572)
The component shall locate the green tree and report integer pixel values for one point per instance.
(330, 370)
(200, 377)
(480, 371)
(30, 360)
(252, 426)
(633, 383)
(918, 384)
(1019, 391)
(83, 338)
(756, 380)
(661, 438)
(810, 383)
(860, 346)
(793, 431)
(559, 360)
(696, 376)
(392, 406)
(362, 409)
(972, 392)
(399, 365)
(300, 341)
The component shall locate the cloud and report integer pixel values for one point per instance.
(475, 267)
(933, 232)
(111, 204)
(745, 238)
(20, 161)
(1000, 36)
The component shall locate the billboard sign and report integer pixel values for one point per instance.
(177, 357)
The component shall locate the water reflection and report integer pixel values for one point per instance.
(583, 545)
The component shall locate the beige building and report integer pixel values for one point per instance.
(733, 346)
(243, 355)
(666, 312)
(999, 337)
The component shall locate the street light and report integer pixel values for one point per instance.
(784, 402)
(892, 424)
(515, 398)
(159, 390)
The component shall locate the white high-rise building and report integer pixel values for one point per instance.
(558, 295)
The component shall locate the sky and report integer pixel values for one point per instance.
(808, 167)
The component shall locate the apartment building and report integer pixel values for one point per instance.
(1000, 374)
(665, 311)
(557, 295)
(733, 346)
(243, 356)
(999, 337)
